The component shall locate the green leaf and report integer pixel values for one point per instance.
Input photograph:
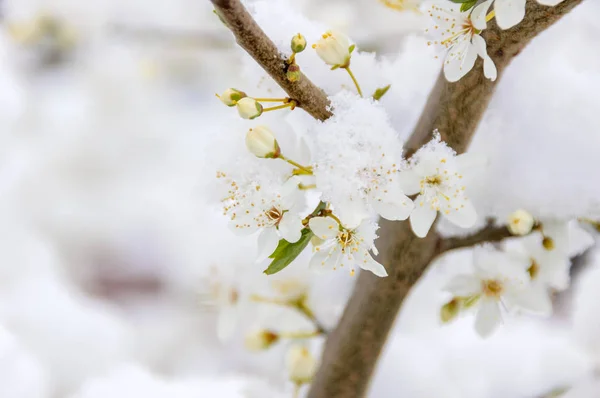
(380, 92)
(287, 252)
(351, 48)
(463, 1)
(467, 5)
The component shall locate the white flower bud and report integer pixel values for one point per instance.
(298, 43)
(520, 222)
(261, 339)
(249, 108)
(334, 49)
(301, 365)
(231, 96)
(262, 143)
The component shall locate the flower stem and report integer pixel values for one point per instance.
(292, 58)
(297, 304)
(297, 388)
(306, 187)
(299, 335)
(271, 99)
(354, 80)
(286, 105)
(491, 15)
(305, 169)
(335, 218)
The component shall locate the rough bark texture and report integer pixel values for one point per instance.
(252, 39)
(455, 109)
(487, 234)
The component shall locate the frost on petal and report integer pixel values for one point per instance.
(226, 323)
(549, 2)
(422, 218)
(534, 298)
(463, 285)
(290, 227)
(464, 217)
(489, 68)
(479, 14)
(509, 12)
(394, 211)
(267, 242)
(324, 227)
(368, 263)
(488, 317)
(409, 182)
(459, 60)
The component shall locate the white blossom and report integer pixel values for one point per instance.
(511, 12)
(334, 49)
(261, 142)
(438, 176)
(344, 247)
(520, 222)
(498, 280)
(459, 33)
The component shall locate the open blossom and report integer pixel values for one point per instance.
(344, 247)
(511, 12)
(273, 211)
(438, 177)
(334, 49)
(498, 281)
(459, 32)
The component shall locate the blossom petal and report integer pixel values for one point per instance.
(479, 14)
(247, 229)
(464, 285)
(488, 317)
(226, 323)
(324, 227)
(509, 12)
(422, 218)
(267, 242)
(459, 60)
(464, 217)
(325, 259)
(399, 210)
(471, 163)
(549, 2)
(489, 68)
(368, 263)
(409, 182)
(534, 298)
(290, 227)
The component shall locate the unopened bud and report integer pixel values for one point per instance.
(450, 310)
(262, 143)
(548, 243)
(301, 365)
(293, 73)
(249, 108)
(231, 96)
(298, 43)
(520, 222)
(334, 49)
(261, 339)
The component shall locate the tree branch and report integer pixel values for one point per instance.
(252, 39)
(352, 349)
(490, 233)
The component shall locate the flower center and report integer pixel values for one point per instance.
(492, 288)
(433, 180)
(274, 215)
(534, 269)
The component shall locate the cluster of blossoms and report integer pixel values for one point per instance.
(458, 27)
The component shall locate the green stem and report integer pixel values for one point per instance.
(306, 187)
(300, 335)
(354, 80)
(271, 99)
(295, 164)
(274, 108)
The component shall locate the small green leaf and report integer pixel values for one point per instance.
(351, 48)
(334, 67)
(463, 1)
(467, 5)
(380, 92)
(287, 252)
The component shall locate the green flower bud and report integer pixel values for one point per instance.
(231, 96)
(293, 73)
(249, 108)
(298, 43)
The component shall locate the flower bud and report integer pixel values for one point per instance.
(450, 310)
(249, 108)
(520, 222)
(301, 365)
(231, 96)
(548, 243)
(334, 49)
(262, 143)
(293, 73)
(261, 339)
(298, 43)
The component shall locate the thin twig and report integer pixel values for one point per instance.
(490, 233)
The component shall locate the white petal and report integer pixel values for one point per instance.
(267, 243)
(245, 231)
(325, 259)
(471, 163)
(409, 181)
(394, 211)
(534, 298)
(489, 68)
(555, 268)
(226, 323)
(509, 12)
(550, 2)
(422, 218)
(368, 263)
(351, 212)
(488, 317)
(464, 285)
(464, 217)
(459, 60)
(479, 13)
(324, 227)
(290, 227)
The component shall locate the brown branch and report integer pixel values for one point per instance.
(352, 349)
(252, 39)
(490, 233)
